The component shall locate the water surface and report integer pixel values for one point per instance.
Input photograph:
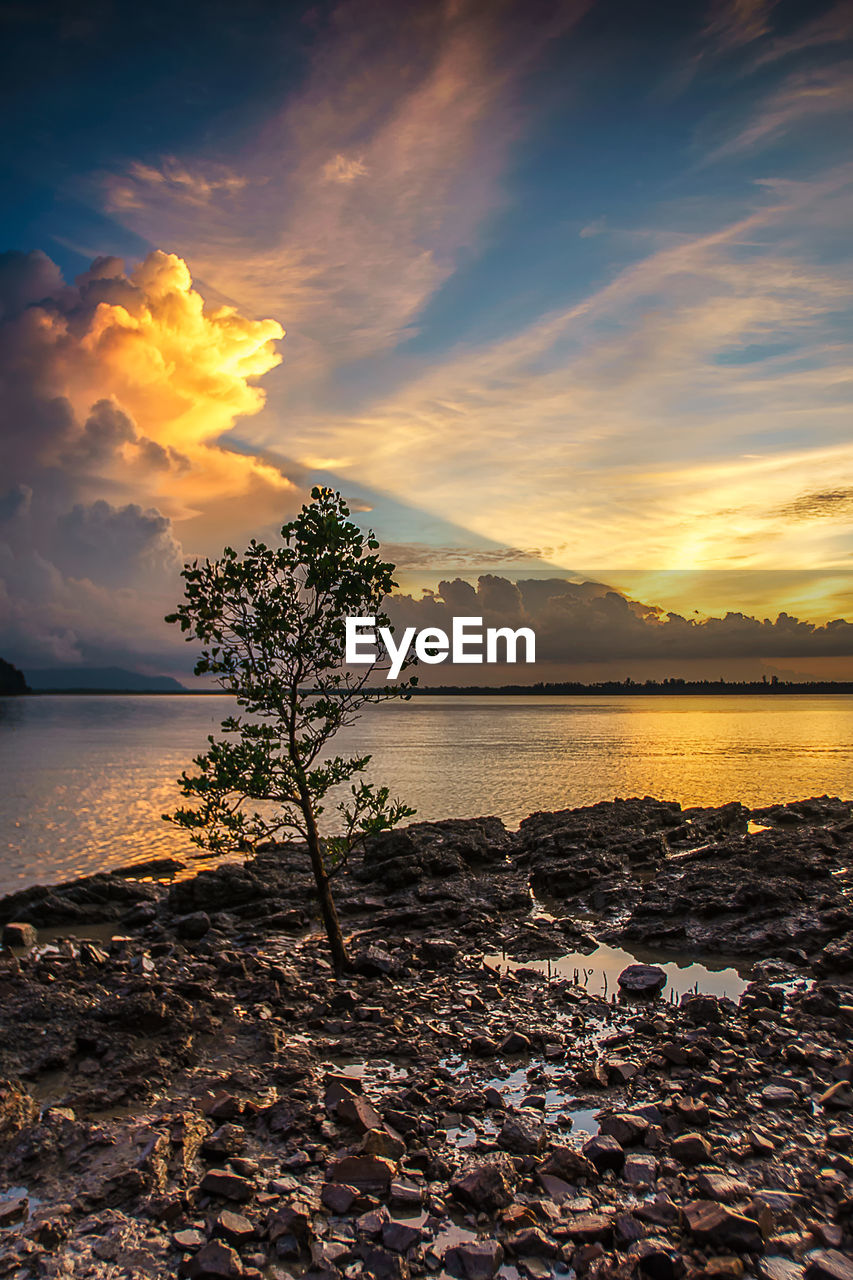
(86, 779)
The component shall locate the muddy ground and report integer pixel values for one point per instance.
(190, 1092)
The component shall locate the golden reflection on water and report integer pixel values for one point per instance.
(87, 778)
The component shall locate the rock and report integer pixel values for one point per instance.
(587, 1228)
(692, 1111)
(400, 1236)
(358, 1112)
(17, 1109)
(521, 1137)
(233, 1226)
(774, 1095)
(193, 926)
(19, 934)
(515, 1043)
(777, 1267)
(363, 1171)
(483, 1047)
(488, 1184)
(722, 1187)
(338, 1197)
(568, 1164)
(703, 1009)
(405, 1193)
(231, 1186)
(438, 950)
(215, 1261)
(691, 1149)
(289, 1221)
(530, 1242)
(838, 1097)
(379, 1142)
(656, 1259)
(374, 961)
(189, 1239)
(640, 1170)
(604, 1152)
(474, 1261)
(642, 979)
(713, 1224)
(829, 1264)
(382, 1264)
(13, 1210)
(626, 1127)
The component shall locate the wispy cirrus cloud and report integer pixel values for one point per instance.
(345, 211)
(662, 420)
(803, 98)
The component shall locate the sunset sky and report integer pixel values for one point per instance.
(566, 290)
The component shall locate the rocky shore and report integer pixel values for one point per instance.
(186, 1091)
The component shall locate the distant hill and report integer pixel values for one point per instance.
(100, 680)
(11, 679)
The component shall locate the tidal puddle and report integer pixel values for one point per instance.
(16, 1205)
(598, 972)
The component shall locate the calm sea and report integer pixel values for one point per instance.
(86, 779)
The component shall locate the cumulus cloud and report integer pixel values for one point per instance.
(116, 391)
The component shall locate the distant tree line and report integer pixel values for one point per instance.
(669, 686)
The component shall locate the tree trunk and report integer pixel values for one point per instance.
(340, 960)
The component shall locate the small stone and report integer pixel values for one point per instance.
(692, 1111)
(839, 1097)
(521, 1137)
(358, 1112)
(775, 1095)
(604, 1152)
(724, 1267)
(371, 1223)
(338, 1197)
(233, 1226)
(400, 1236)
(640, 1170)
(516, 1042)
(12, 1211)
(382, 1264)
(777, 1267)
(488, 1185)
(379, 1142)
(405, 1193)
(474, 1260)
(221, 1182)
(215, 1261)
(691, 1149)
(713, 1224)
(642, 979)
(626, 1127)
(289, 1220)
(363, 1171)
(829, 1264)
(189, 1239)
(18, 933)
(531, 1242)
(722, 1187)
(567, 1163)
(657, 1259)
(587, 1228)
(193, 926)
